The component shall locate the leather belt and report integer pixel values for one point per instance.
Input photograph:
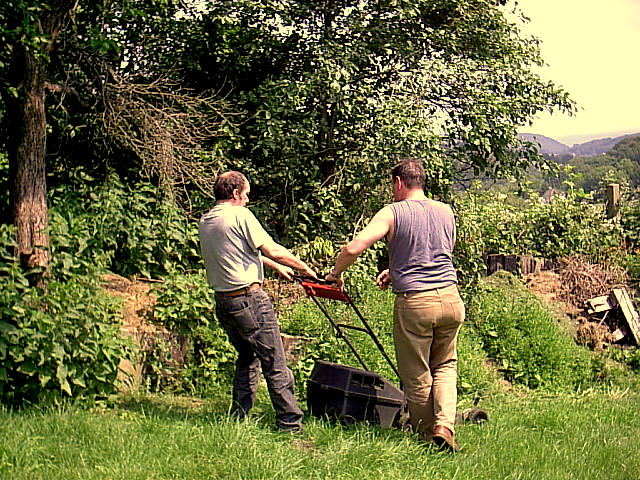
(241, 291)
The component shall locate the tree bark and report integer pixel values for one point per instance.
(27, 154)
(30, 214)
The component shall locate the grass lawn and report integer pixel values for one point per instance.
(588, 436)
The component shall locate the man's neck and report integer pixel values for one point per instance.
(415, 194)
(230, 202)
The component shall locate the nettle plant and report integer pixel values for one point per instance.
(127, 229)
(55, 345)
(185, 306)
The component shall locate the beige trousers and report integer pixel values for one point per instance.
(425, 330)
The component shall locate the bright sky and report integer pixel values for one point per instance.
(592, 49)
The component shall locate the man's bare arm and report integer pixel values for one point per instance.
(376, 230)
(283, 270)
(282, 256)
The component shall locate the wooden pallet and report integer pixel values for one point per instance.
(620, 297)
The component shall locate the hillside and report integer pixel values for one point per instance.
(550, 146)
(598, 146)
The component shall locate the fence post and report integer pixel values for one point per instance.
(613, 200)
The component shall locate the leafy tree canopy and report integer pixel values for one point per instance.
(327, 95)
(337, 91)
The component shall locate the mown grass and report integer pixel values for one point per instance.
(588, 436)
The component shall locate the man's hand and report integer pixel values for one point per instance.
(308, 271)
(337, 279)
(384, 279)
(285, 272)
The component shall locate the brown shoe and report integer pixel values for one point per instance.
(444, 439)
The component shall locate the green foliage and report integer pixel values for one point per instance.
(476, 379)
(61, 344)
(318, 253)
(631, 263)
(621, 164)
(629, 356)
(128, 230)
(336, 93)
(185, 305)
(522, 336)
(491, 223)
(470, 247)
(184, 302)
(630, 221)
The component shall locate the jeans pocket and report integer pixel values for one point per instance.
(242, 316)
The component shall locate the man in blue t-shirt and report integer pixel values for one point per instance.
(428, 311)
(235, 248)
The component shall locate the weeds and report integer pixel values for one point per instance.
(530, 348)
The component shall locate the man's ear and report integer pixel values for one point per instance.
(236, 194)
(398, 182)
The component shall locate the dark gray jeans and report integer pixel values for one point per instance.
(253, 330)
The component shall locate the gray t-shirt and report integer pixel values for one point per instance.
(421, 251)
(230, 238)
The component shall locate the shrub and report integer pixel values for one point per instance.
(525, 340)
(185, 305)
(498, 223)
(128, 230)
(64, 343)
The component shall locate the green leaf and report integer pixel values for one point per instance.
(44, 379)
(62, 372)
(65, 387)
(58, 352)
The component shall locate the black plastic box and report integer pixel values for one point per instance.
(351, 395)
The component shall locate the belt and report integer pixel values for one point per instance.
(413, 292)
(242, 291)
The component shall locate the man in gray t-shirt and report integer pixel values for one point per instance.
(235, 248)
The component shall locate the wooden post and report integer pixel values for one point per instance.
(511, 263)
(613, 200)
(495, 262)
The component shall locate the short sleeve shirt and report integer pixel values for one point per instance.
(230, 238)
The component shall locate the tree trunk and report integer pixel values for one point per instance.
(27, 154)
(30, 214)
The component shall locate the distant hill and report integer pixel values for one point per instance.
(598, 146)
(549, 146)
